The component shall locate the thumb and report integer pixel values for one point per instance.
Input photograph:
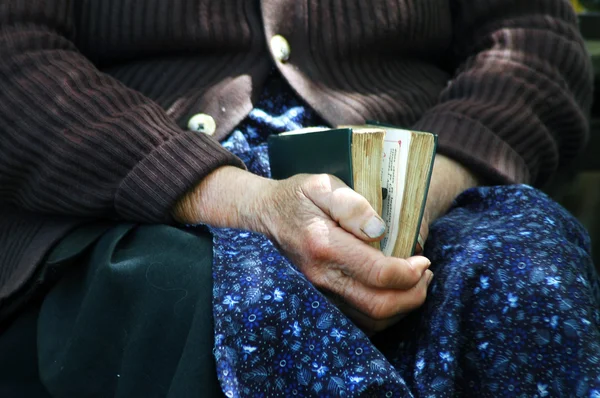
(349, 209)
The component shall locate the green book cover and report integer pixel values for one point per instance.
(327, 151)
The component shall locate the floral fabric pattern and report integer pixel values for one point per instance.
(513, 309)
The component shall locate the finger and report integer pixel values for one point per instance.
(349, 209)
(381, 305)
(354, 213)
(370, 266)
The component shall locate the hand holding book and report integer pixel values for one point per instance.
(326, 238)
(322, 226)
(393, 168)
(390, 167)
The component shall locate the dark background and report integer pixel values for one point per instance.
(579, 189)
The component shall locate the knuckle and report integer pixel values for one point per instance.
(318, 249)
(331, 180)
(362, 205)
(361, 208)
(320, 182)
(357, 204)
(383, 274)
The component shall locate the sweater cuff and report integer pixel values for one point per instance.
(476, 147)
(151, 189)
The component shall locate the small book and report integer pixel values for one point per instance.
(389, 166)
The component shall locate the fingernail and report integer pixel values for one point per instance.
(429, 277)
(420, 263)
(374, 228)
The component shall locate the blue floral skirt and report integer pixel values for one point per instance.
(513, 309)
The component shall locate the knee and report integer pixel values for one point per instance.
(520, 238)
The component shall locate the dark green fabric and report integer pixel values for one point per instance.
(19, 377)
(131, 317)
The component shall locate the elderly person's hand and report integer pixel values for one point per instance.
(323, 227)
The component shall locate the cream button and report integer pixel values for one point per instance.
(280, 48)
(202, 123)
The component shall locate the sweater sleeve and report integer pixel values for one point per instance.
(517, 105)
(74, 141)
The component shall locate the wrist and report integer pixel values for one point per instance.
(448, 180)
(229, 197)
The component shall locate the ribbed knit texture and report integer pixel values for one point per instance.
(95, 95)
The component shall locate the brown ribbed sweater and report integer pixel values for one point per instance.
(95, 95)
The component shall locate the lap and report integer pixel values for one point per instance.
(514, 288)
(504, 225)
(132, 315)
(513, 244)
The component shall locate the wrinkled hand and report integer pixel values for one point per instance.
(323, 226)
